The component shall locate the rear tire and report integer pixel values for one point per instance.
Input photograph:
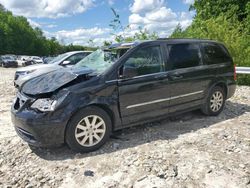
(88, 129)
(215, 102)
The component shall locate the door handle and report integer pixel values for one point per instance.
(161, 76)
(175, 76)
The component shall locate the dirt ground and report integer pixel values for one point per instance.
(190, 150)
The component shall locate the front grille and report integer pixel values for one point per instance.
(20, 101)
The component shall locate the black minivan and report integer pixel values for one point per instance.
(121, 86)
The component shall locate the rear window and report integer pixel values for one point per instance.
(183, 55)
(214, 54)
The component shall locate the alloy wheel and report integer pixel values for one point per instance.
(216, 101)
(90, 130)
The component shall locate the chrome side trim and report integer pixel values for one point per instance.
(111, 81)
(163, 100)
(148, 75)
(135, 77)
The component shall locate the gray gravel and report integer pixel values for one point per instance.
(190, 150)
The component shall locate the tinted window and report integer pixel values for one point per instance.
(146, 60)
(183, 55)
(214, 54)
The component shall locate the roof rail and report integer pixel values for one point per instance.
(183, 39)
(163, 38)
(180, 39)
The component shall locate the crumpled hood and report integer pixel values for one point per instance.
(37, 70)
(51, 81)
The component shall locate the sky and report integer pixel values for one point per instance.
(79, 21)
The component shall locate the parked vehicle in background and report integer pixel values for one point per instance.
(21, 60)
(64, 60)
(8, 61)
(122, 86)
(32, 60)
(36, 59)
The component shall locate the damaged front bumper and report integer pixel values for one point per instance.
(38, 128)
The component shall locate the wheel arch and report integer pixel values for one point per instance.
(107, 110)
(223, 85)
(96, 105)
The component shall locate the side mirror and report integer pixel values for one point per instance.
(65, 62)
(129, 72)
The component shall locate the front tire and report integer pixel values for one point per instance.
(215, 102)
(88, 129)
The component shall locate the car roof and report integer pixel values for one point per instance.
(6, 56)
(74, 52)
(185, 40)
(123, 45)
(167, 40)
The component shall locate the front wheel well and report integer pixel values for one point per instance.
(101, 106)
(107, 110)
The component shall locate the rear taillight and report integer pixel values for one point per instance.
(235, 76)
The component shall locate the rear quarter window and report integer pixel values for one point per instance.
(214, 54)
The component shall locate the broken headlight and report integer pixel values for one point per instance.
(44, 105)
(50, 104)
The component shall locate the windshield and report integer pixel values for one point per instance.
(58, 58)
(100, 60)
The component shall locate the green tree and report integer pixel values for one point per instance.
(226, 21)
(119, 31)
(207, 9)
(178, 32)
(18, 37)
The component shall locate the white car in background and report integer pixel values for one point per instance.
(21, 60)
(64, 60)
(36, 59)
(31, 60)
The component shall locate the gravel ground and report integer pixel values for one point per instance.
(190, 150)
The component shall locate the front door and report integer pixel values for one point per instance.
(143, 88)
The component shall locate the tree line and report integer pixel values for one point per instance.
(18, 37)
(227, 21)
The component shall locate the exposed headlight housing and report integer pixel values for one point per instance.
(50, 104)
(44, 105)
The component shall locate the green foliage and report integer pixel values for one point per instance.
(226, 21)
(116, 23)
(18, 37)
(119, 31)
(178, 32)
(145, 35)
(243, 79)
(207, 9)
